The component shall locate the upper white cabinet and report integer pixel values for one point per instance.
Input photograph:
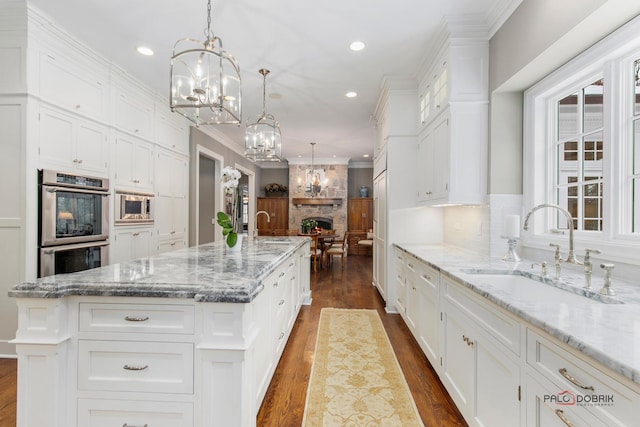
(453, 115)
(133, 163)
(171, 200)
(132, 108)
(172, 130)
(70, 143)
(72, 80)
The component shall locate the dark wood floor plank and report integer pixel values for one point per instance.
(8, 392)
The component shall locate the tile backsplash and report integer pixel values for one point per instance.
(467, 227)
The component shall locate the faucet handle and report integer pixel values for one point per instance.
(557, 254)
(607, 267)
(588, 252)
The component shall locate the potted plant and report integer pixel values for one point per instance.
(308, 225)
(275, 190)
(230, 221)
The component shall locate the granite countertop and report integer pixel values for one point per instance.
(608, 331)
(206, 273)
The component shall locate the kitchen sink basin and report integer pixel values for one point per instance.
(523, 285)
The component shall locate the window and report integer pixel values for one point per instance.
(579, 151)
(582, 147)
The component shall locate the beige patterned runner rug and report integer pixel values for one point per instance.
(356, 379)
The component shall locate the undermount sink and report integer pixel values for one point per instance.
(529, 286)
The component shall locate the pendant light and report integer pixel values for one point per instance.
(262, 140)
(205, 80)
(315, 176)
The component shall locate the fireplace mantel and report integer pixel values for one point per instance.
(317, 201)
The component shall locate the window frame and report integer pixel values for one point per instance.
(612, 60)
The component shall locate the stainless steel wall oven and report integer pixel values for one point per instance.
(73, 219)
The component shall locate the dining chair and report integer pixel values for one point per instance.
(338, 248)
(315, 253)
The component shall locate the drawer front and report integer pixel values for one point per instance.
(427, 276)
(145, 318)
(131, 413)
(603, 396)
(502, 327)
(131, 366)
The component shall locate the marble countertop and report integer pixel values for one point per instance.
(608, 332)
(206, 273)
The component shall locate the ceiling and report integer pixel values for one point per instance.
(304, 44)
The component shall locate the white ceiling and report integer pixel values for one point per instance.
(305, 45)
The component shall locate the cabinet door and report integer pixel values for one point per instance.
(360, 213)
(171, 129)
(131, 243)
(426, 161)
(428, 320)
(497, 385)
(133, 111)
(441, 159)
(458, 359)
(133, 163)
(56, 138)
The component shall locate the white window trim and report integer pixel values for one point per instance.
(612, 59)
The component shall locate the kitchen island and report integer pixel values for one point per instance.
(185, 338)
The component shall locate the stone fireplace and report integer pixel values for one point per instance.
(329, 206)
(323, 222)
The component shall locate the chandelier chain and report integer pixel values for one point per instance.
(208, 33)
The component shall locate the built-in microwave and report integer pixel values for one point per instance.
(133, 208)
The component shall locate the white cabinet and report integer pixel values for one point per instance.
(71, 143)
(615, 403)
(73, 81)
(171, 202)
(401, 284)
(171, 129)
(131, 243)
(480, 374)
(380, 233)
(434, 161)
(427, 282)
(132, 106)
(133, 161)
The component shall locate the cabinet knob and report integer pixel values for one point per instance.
(80, 161)
(77, 106)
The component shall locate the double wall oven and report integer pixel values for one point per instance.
(73, 222)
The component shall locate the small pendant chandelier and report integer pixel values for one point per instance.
(205, 80)
(314, 176)
(262, 140)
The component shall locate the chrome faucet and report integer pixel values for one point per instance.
(557, 259)
(571, 257)
(255, 230)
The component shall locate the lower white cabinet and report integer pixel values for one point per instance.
(131, 243)
(134, 413)
(500, 370)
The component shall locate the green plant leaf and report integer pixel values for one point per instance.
(232, 239)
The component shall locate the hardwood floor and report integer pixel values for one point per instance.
(284, 402)
(283, 405)
(8, 390)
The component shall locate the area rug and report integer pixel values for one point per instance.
(356, 379)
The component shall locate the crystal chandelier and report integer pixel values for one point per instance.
(263, 141)
(314, 176)
(205, 80)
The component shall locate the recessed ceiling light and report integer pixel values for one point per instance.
(143, 50)
(351, 94)
(299, 155)
(275, 95)
(335, 155)
(356, 46)
(365, 155)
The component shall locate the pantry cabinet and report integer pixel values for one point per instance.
(171, 202)
(70, 143)
(171, 129)
(132, 106)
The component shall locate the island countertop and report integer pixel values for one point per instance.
(206, 273)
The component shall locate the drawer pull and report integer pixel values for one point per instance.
(136, 319)
(281, 302)
(410, 265)
(132, 425)
(275, 285)
(135, 367)
(292, 264)
(564, 373)
(468, 340)
(281, 335)
(426, 276)
(281, 274)
(560, 414)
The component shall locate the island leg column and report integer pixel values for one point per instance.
(42, 345)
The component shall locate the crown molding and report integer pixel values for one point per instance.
(319, 161)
